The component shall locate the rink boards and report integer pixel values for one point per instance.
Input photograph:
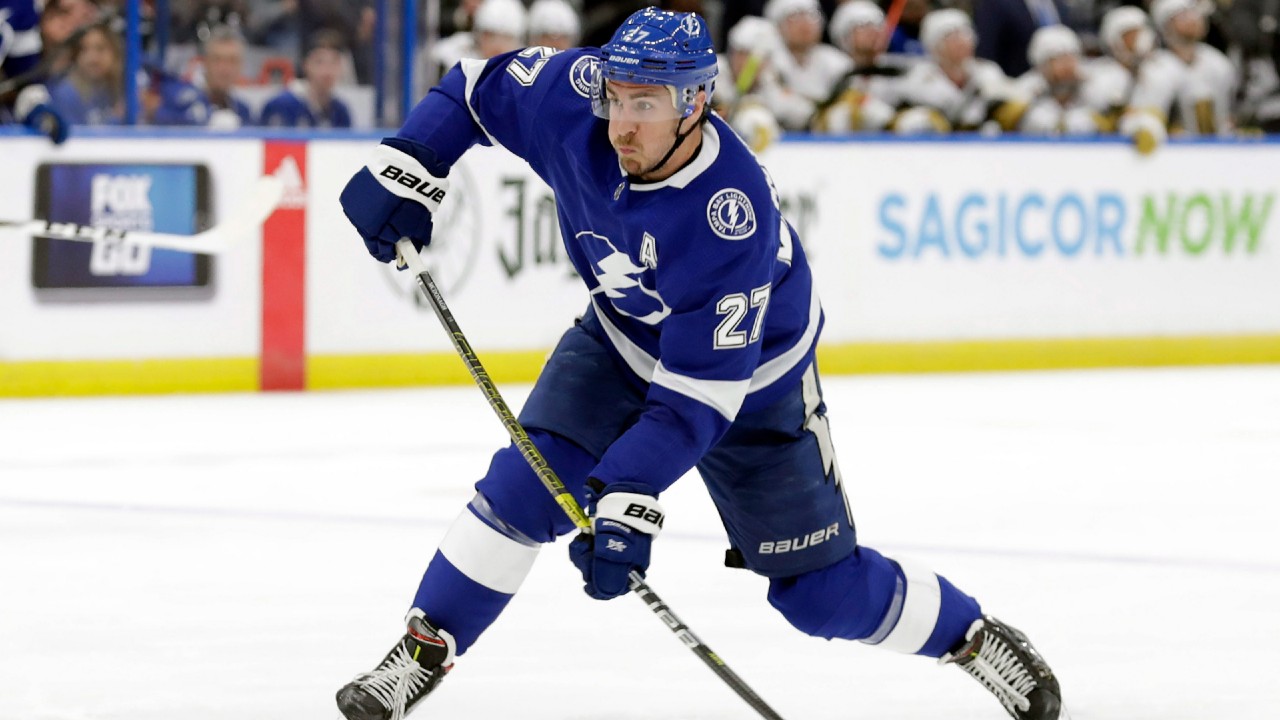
(929, 255)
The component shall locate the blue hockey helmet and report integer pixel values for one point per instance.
(659, 47)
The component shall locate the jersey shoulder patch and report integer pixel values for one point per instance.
(731, 215)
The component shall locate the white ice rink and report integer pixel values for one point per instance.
(241, 557)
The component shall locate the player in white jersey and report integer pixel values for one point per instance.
(499, 27)
(1206, 96)
(954, 90)
(1053, 89)
(1137, 94)
(554, 24)
(750, 95)
(866, 98)
(696, 351)
(809, 67)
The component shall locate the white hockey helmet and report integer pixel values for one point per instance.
(554, 17)
(938, 24)
(754, 35)
(1051, 41)
(1162, 11)
(1122, 20)
(504, 17)
(851, 15)
(778, 10)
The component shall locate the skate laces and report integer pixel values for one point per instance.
(998, 667)
(395, 681)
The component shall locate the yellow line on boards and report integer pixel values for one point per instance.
(127, 377)
(331, 372)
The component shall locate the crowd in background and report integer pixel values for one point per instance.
(1044, 67)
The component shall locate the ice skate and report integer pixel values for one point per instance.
(413, 668)
(1004, 661)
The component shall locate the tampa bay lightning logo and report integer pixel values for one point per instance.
(583, 75)
(731, 215)
(620, 280)
(691, 26)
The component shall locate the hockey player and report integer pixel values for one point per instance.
(1137, 94)
(955, 90)
(554, 24)
(751, 96)
(1053, 90)
(809, 67)
(499, 27)
(27, 101)
(866, 97)
(696, 350)
(1206, 95)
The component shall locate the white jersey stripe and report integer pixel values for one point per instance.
(643, 364)
(25, 43)
(725, 396)
(920, 610)
(486, 555)
(472, 69)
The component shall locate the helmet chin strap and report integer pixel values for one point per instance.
(680, 138)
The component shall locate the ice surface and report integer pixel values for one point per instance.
(235, 557)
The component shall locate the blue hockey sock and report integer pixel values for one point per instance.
(473, 575)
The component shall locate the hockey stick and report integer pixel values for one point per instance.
(409, 257)
(262, 201)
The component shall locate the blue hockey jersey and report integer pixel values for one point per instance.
(19, 37)
(699, 283)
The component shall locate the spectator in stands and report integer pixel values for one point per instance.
(223, 56)
(1052, 92)
(274, 24)
(193, 22)
(167, 99)
(554, 24)
(59, 21)
(92, 91)
(1205, 100)
(310, 102)
(866, 97)
(954, 91)
(1137, 94)
(353, 20)
(749, 94)
(1004, 29)
(809, 67)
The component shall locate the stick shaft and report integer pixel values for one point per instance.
(553, 484)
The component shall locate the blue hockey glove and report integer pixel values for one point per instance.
(624, 518)
(394, 196)
(34, 109)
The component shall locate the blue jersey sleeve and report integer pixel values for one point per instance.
(710, 344)
(20, 44)
(492, 102)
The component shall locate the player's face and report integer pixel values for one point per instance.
(1189, 24)
(492, 44)
(865, 39)
(223, 62)
(800, 30)
(1062, 71)
(551, 40)
(956, 48)
(643, 122)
